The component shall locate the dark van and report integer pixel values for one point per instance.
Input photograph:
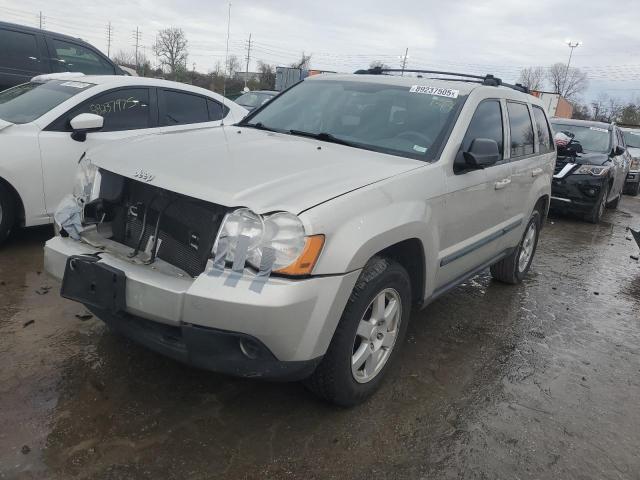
(26, 52)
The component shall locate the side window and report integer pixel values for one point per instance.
(486, 123)
(124, 109)
(216, 110)
(71, 57)
(544, 131)
(19, 50)
(183, 108)
(521, 129)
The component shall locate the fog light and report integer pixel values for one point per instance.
(591, 191)
(249, 348)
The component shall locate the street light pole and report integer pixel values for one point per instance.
(572, 45)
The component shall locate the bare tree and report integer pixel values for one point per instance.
(569, 82)
(171, 49)
(378, 64)
(233, 65)
(304, 62)
(267, 75)
(532, 78)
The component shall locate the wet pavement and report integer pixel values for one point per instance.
(536, 381)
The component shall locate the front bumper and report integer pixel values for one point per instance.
(576, 192)
(293, 319)
(633, 177)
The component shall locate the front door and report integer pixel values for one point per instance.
(127, 112)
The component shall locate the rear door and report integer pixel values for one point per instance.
(127, 112)
(180, 110)
(20, 57)
(476, 201)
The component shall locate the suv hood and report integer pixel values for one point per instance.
(235, 166)
(634, 152)
(587, 158)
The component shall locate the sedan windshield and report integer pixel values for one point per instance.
(400, 120)
(24, 103)
(592, 139)
(632, 138)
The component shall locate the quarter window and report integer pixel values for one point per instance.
(71, 57)
(184, 108)
(216, 110)
(19, 50)
(125, 109)
(486, 123)
(521, 129)
(543, 129)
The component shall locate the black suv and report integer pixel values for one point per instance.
(26, 52)
(591, 167)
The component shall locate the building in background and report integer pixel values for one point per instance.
(556, 105)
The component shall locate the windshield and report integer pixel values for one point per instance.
(253, 99)
(592, 139)
(400, 120)
(24, 103)
(632, 138)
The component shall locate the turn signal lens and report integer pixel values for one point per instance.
(307, 259)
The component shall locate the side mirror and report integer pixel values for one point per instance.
(483, 152)
(618, 151)
(85, 123)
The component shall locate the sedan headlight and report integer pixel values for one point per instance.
(282, 233)
(595, 170)
(87, 183)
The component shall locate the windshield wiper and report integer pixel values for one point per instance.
(324, 136)
(258, 126)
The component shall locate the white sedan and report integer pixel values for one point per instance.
(47, 124)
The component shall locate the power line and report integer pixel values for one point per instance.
(136, 36)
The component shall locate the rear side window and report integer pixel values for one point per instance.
(216, 110)
(125, 109)
(71, 57)
(521, 129)
(543, 129)
(184, 108)
(486, 123)
(19, 50)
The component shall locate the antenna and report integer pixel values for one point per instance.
(226, 61)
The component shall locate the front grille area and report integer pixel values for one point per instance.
(187, 227)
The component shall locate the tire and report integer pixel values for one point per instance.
(598, 210)
(633, 189)
(614, 204)
(510, 269)
(337, 379)
(7, 213)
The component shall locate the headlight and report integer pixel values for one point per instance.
(595, 170)
(635, 164)
(87, 184)
(295, 253)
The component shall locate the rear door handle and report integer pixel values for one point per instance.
(536, 171)
(500, 184)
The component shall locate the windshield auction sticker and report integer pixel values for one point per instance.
(75, 84)
(441, 92)
(598, 129)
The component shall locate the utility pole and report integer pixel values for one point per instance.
(404, 60)
(572, 45)
(136, 36)
(246, 73)
(109, 31)
(41, 18)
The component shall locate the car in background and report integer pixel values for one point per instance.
(47, 124)
(632, 139)
(256, 98)
(591, 168)
(26, 52)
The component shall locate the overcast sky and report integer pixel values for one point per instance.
(497, 36)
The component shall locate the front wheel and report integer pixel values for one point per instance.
(513, 268)
(368, 336)
(7, 214)
(598, 210)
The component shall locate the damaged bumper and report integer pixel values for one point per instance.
(218, 322)
(576, 192)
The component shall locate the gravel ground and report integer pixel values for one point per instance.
(536, 381)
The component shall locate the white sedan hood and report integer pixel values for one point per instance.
(245, 167)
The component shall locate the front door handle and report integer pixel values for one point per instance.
(536, 171)
(500, 184)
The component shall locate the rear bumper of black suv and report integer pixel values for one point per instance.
(577, 193)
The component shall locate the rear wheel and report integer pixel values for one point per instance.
(7, 213)
(598, 210)
(368, 336)
(512, 269)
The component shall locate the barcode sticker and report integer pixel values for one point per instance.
(441, 92)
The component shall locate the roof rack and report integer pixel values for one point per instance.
(488, 79)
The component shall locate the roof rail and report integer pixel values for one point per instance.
(488, 79)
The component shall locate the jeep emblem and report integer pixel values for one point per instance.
(143, 175)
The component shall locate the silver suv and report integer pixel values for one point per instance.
(294, 244)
